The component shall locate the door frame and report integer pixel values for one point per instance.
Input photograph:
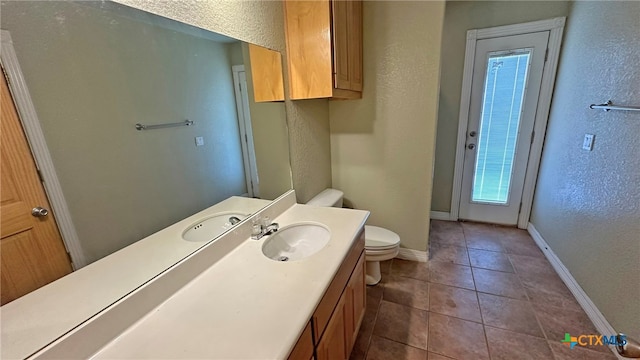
(556, 28)
(40, 151)
(246, 134)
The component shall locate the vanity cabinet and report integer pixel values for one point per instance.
(324, 48)
(337, 318)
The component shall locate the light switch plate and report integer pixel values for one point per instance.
(199, 141)
(587, 143)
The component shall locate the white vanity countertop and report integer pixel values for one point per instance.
(34, 320)
(245, 306)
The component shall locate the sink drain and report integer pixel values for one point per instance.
(283, 258)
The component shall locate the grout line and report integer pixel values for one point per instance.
(486, 340)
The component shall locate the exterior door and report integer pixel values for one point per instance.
(31, 248)
(507, 74)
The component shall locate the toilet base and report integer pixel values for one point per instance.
(373, 275)
(373, 258)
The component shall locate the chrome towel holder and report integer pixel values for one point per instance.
(141, 127)
(609, 106)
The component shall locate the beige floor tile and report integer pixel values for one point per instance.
(562, 300)
(531, 265)
(558, 321)
(508, 345)
(491, 260)
(434, 356)
(451, 274)
(509, 314)
(524, 307)
(402, 324)
(483, 241)
(407, 291)
(456, 338)
(449, 253)
(411, 269)
(546, 283)
(456, 302)
(499, 283)
(446, 233)
(519, 246)
(384, 349)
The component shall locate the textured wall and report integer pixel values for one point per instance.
(461, 16)
(382, 146)
(260, 22)
(120, 184)
(587, 203)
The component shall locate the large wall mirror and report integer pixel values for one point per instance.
(96, 69)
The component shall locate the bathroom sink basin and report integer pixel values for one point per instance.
(297, 241)
(212, 226)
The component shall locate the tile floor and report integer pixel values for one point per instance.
(487, 292)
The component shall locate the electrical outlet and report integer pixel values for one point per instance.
(199, 141)
(587, 143)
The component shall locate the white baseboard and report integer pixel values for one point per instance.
(413, 255)
(598, 320)
(440, 215)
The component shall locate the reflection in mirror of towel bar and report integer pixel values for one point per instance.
(162, 126)
(609, 106)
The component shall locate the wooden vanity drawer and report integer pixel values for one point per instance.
(334, 291)
(304, 347)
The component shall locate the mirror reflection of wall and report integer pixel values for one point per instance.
(94, 70)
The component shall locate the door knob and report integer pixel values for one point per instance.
(39, 211)
(471, 146)
(472, 134)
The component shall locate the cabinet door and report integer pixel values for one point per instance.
(303, 350)
(347, 44)
(266, 73)
(354, 41)
(340, 30)
(356, 305)
(307, 24)
(333, 345)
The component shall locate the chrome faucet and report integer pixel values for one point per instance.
(260, 230)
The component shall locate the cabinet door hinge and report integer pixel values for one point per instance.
(546, 55)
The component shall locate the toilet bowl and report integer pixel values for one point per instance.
(380, 244)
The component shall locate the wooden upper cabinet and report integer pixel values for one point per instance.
(266, 72)
(324, 48)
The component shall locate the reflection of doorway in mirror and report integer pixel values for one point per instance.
(31, 247)
(246, 133)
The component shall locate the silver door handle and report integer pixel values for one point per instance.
(471, 146)
(39, 211)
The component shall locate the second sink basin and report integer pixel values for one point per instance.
(297, 241)
(211, 227)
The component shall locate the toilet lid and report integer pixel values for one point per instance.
(378, 238)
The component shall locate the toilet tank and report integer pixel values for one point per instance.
(328, 198)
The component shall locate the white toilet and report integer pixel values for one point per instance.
(380, 244)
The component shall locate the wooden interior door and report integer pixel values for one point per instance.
(32, 253)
